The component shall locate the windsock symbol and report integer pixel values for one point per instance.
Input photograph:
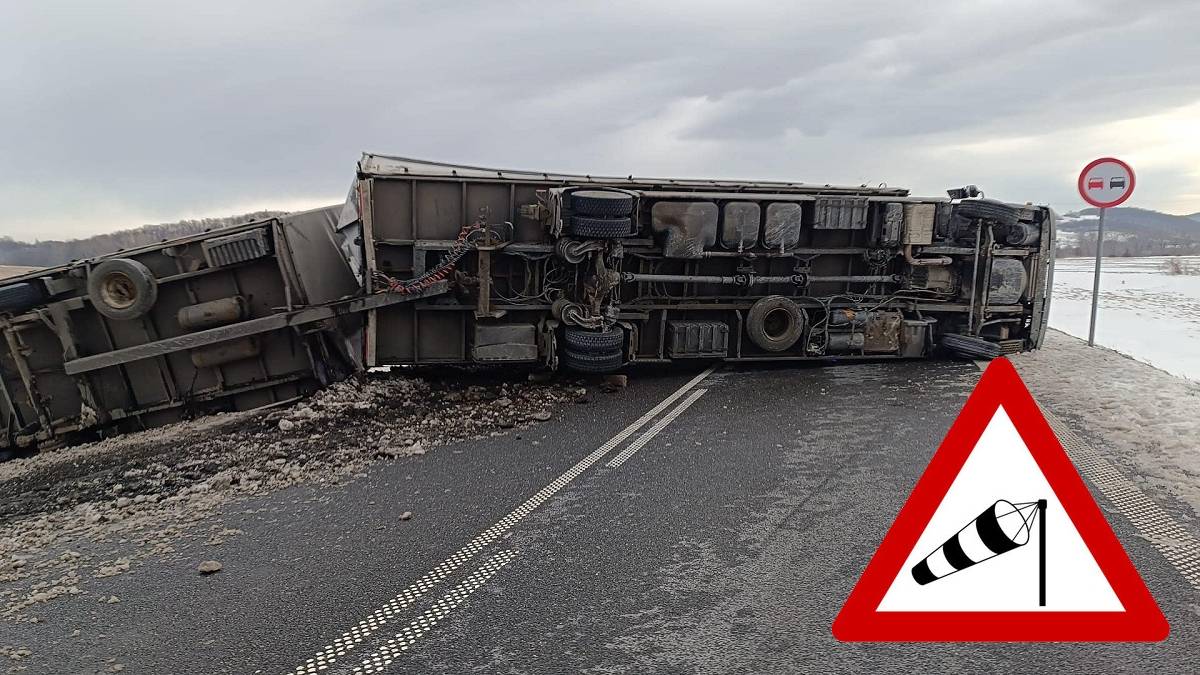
(1002, 527)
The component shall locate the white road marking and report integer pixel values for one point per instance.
(383, 657)
(653, 431)
(352, 638)
(1176, 544)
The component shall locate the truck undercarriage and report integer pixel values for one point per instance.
(430, 263)
(596, 273)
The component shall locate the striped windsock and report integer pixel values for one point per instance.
(1000, 528)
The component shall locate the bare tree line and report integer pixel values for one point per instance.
(53, 252)
(1128, 246)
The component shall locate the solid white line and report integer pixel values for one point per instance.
(352, 638)
(381, 658)
(653, 431)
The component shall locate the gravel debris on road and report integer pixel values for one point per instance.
(97, 510)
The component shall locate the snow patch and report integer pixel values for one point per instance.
(1145, 419)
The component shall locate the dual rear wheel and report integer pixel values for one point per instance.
(593, 351)
(600, 214)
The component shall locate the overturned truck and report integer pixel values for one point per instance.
(430, 263)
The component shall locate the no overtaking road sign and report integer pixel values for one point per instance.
(1103, 183)
(1106, 182)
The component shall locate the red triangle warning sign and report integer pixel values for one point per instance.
(1000, 540)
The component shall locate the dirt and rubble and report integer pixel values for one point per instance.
(98, 510)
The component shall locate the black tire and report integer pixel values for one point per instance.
(592, 363)
(584, 341)
(602, 203)
(775, 323)
(600, 228)
(16, 298)
(122, 289)
(988, 209)
(971, 347)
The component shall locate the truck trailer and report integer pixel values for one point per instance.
(429, 263)
(596, 273)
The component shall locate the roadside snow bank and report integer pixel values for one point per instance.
(1144, 419)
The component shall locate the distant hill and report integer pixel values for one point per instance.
(1134, 220)
(51, 252)
(1129, 232)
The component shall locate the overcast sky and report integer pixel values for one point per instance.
(116, 114)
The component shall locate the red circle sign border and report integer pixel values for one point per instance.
(1116, 202)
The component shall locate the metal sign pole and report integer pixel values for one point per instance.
(1096, 281)
(1041, 516)
(1104, 183)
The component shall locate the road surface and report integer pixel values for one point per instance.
(689, 524)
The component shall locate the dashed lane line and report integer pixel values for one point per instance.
(383, 657)
(352, 638)
(650, 433)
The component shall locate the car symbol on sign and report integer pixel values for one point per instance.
(1095, 183)
(1118, 182)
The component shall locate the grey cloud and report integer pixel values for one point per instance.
(138, 110)
(994, 72)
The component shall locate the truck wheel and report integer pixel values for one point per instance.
(592, 363)
(122, 289)
(583, 341)
(602, 203)
(601, 228)
(775, 323)
(988, 209)
(971, 347)
(16, 298)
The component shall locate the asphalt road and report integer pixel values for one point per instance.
(726, 543)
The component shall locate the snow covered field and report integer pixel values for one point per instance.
(1144, 312)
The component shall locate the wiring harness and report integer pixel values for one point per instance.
(461, 247)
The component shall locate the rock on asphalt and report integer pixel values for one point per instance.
(97, 510)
